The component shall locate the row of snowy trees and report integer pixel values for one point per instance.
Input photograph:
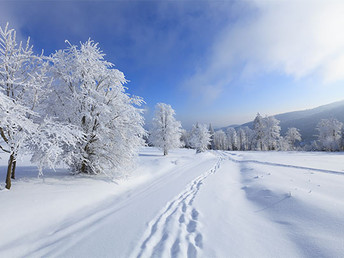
(166, 132)
(265, 135)
(69, 107)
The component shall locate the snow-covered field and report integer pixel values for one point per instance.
(214, 204)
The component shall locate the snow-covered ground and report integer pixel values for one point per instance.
(214, 204)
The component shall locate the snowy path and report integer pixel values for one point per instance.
(115, 225)
(216, 204)
(174, 232)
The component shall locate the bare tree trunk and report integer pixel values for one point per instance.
(13, 175)
(9, 171)
(83, 167)
(165, 152)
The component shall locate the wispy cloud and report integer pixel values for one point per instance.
(295, 38)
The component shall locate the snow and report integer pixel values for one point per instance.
(212, 204)
(278, 211)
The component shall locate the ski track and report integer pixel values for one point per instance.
(230, 157)
(54, 241)
(174, 232)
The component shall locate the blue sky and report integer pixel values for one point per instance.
(216, 62)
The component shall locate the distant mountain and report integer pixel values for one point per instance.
(306, 120)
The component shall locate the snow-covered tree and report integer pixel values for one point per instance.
(259, 132)
(292, 136)
(24, 90)
(15, 127)
(220, 140)
(249, 139)
(89, 94)
(185, 138)
(212, 132)
(272, 132)
(342, 139)
(200, 137)
(241, 139)
(267, 133)
(232, 138)
(166, 130)
(283, 144)
(24, 85)
(329, 136)
(50, 144)
(17, 64)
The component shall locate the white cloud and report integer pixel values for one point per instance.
(296, 38)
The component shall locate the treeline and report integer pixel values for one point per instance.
(265, 136)
(167, 133)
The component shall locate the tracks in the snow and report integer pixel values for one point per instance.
(230, 157)
(175, 231)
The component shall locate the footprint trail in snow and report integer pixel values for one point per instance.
(174, 232)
